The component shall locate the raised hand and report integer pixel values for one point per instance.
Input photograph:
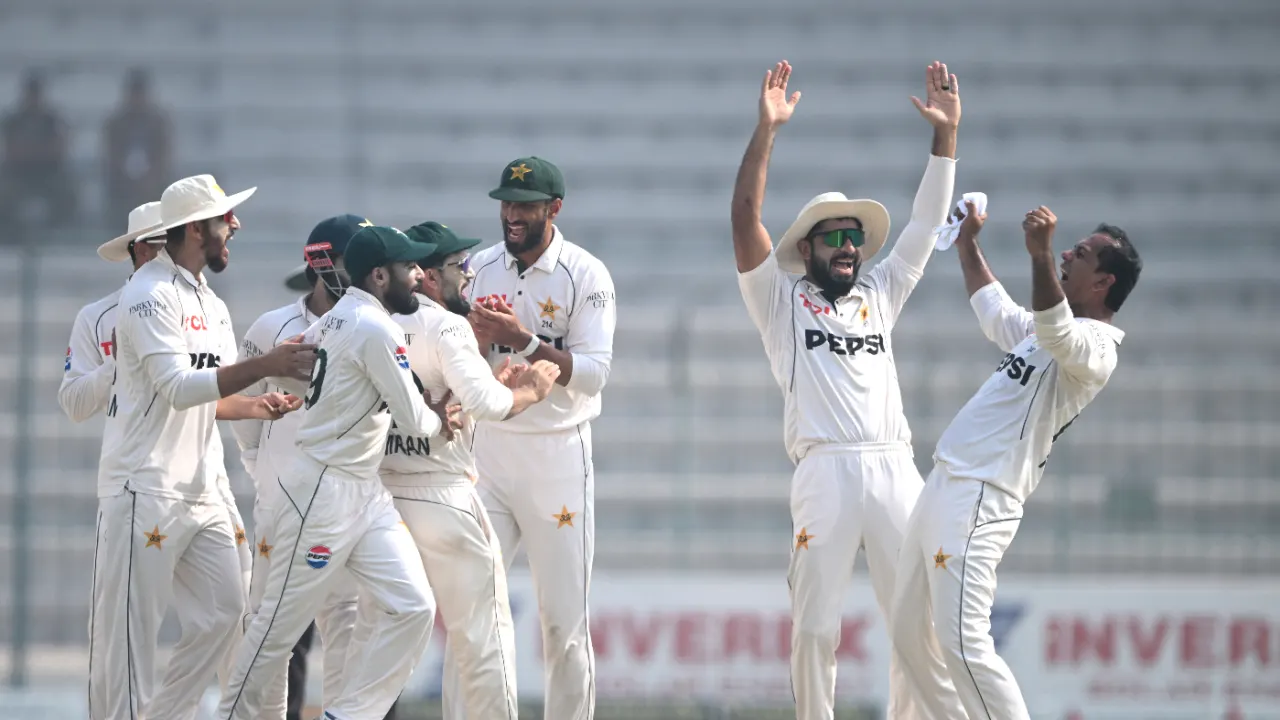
(942, 97)
(1039, 225)
(972, 223)
(775, 107)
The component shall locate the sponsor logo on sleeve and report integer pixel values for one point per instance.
(402, 358)
(66, 367)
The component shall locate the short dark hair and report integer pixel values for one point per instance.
(1121, 261)
(133, 254)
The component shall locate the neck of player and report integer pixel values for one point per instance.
(526, 259)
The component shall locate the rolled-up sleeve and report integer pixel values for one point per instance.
(152, 325)
(591, 331)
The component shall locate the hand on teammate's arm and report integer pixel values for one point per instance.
(269, 406)
(532, 386)
(1038, 227)
(751, 243)
(449, 411)
(977, 274)
(290, 360)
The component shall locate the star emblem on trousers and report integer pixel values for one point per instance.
(802, 539)
(264, 549)
(155, 538)
(240, 537)
(564, 517)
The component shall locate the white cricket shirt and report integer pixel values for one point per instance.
(360, 382)
(267, 447)
(566, 298)
(173, 334)
(834, 360)
(90, 366)
(1054, 365)
(443, 356)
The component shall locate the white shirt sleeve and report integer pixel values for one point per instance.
(248, 433)
(760, 288)
(898, 275)
(154, 328)
(469, 376)
(1003, 321)
(1081, 349)
(394, 381)
(591, 328)
(86, 383)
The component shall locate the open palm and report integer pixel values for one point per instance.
(775, 106)
(942, 97)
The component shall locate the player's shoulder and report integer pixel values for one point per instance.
(152, 281)
(272, 326)
(488, 254)
(579, 261)
(93, 311)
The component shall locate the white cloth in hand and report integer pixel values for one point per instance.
(947, 234)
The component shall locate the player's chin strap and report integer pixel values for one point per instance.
(320, 258)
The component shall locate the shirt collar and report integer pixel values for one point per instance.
(425, 301)
(309, 316)
(360, 296)
(163, 258)
(853, 296)
(547, 261)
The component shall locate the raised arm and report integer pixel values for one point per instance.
(941, 108)
(1084, 352)
(751, 243)
(86, 381)
(1003, 321)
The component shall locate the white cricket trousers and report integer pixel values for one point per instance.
(539, 490)
(469, 581)
(335, 620)
(333, 520)
(946, 585)
(152, 551)
(245, 554)
(844, 498)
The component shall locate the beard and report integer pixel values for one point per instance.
(533, 234)
(215, 261)
(456, 304)
(400, 300)
(834, 287)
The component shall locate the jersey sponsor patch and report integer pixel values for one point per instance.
(67, 366)
(318, 556)
(402, 357)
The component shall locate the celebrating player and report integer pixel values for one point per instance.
(268, 451)
(163, 516)
(541, 297)
(336, 513)
(990, 459)
(433, 482)
(826, 333)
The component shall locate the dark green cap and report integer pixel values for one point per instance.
(377, 245)
(446, 241)
(529, 179)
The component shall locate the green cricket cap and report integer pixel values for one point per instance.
(446, 241)
(378, 245)
(529, 179)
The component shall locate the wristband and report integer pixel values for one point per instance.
(528, 350)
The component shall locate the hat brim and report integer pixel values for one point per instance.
(117, 249)
(297, 280)
(519, 195)
(222, 207)
(416, 252)
(873, 216)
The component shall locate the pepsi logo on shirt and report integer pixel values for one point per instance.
(318, 556)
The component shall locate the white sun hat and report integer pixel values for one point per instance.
(827, 206)
(143, 221)
(196, 198)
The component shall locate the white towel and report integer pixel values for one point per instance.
(948, 233)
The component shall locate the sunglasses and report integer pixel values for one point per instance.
(837, 238)
(463, 265)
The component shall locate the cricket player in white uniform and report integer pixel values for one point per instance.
(826, 332)
(163, 517)
(335, 513)
(268, 449)
(87, 389)
(989, 460)
(433, 483)
(540, 297)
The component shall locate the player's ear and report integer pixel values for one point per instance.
(553, 208)
(805, 247)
